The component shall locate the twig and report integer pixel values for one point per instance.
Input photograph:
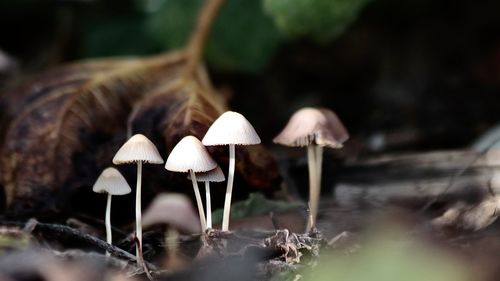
(452, 181)
(68, 232)
(457, 175)
(99, 222)
(199, 36)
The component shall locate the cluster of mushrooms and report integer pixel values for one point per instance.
(310, 127)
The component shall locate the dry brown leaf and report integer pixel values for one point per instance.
(189, 108)
(68, 111)
(67, 124)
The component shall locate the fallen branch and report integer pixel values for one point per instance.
(416, 179)
(67, 232)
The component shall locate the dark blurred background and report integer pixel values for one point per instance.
(402, 75)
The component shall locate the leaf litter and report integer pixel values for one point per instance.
(92, 106)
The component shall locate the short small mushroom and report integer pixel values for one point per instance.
(138, 149)
(111, 182)
(315, 128)
(175, 211)
(231, 128)
(189, 155)
(215, 175)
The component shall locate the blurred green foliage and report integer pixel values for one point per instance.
(117, 36)
(321, 20)
(243, 37)
(389, 260)
(246, 34)
(255, 205)
(13, 239)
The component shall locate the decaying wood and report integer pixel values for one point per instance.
(291, 245)
(66, 232)
(470, 217)
(415, 178)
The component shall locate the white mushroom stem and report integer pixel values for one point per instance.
(229, 190)
(209, 204)
(198, 200)
(138, 216)
(313, 187)
(319, 164)
(108, 222)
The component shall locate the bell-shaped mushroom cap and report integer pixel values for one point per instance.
(111, 181)
(173, 209)
(190, 154)
(138, 148)
(215, 175)
(313, 126)
(231, 128)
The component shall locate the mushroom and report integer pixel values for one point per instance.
(138, 149)
(215, 175)
(111, 182)
(189, 155)
(315, 128)
(231, 128)
(174, 210)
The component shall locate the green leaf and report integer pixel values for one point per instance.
(171, 25)
(320, 20)
(118, 36)
(243, 37)
(255, 205)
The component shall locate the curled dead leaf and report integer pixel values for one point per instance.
(74, 110)
(66, 124)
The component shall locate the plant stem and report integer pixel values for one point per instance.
(313, 174)
(108, 222)
(209, 204)
(229, 190)
(198, 200)
(138, 215)
(199, 36)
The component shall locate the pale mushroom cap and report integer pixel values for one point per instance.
(231, 128)
(138, 148)
(173, 209)
(190, 154)
(313, 126)
(215, 175)
(111, 181)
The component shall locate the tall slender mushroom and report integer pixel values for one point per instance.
(315, 128)
(138, 149)
(111, 182)
(231, 128)
(189, 155)
(215, 175)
